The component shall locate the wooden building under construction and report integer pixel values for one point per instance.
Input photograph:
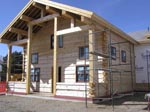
(69, 52)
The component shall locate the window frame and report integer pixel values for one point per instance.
(85, 79)
(60, 41)
(113, 53)
(33, 56)
(35, 77)
(123, 58)
(52, 41)
(84, 57)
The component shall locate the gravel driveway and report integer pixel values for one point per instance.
(134, 103)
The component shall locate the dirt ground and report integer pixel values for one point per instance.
(135, 103)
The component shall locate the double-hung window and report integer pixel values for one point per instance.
(34, 58)
(82, 73)
(123, 56)
(52, 41)
(60, 41)
(35, 74)
(113, 52)
(84, 52)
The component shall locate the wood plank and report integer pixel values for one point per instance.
(73, 30)
(52, 10)
(19, 42)
(15, 30)
(44, 19)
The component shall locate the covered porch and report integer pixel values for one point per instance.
(24, 30)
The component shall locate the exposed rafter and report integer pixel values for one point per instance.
(85, 20)
(52, 10)
(73, 30)
(26, 18)
(44, 19)
(18, 31)
(39, 6)
(67, 14)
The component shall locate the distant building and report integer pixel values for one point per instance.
(142, 59)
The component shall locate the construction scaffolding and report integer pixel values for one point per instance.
(113, 66)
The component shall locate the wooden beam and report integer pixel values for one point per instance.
(19, 42)
(26, 18)
(15, 30)
(29, 19)
(44, 19)
(55, 57)
(9, 63)
(73, 30)
(39, 6)
(52, 10)
(4, 41)
(29, 59)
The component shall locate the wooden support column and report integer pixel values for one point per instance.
(91, 63)
(55, 57)
(28, 58)
(9, 63)
(91, 56)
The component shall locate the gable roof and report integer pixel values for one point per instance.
(31, 11)
(141, 36)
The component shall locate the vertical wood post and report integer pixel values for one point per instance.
(9, 63)
(55, 57)
(28, 59)
(92, 74)
(72, 23)
(91, 56)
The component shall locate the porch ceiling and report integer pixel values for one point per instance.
(36, 9)
(32, 11)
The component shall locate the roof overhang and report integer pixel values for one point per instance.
(113, 28)
(32, 12)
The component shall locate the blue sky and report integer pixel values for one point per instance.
(128, 15)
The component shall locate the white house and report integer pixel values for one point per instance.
(142, 59)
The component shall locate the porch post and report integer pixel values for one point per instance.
(28, 59)
(91, 63)
(9, 63)
(55, 57)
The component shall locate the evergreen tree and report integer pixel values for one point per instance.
(16, 63)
